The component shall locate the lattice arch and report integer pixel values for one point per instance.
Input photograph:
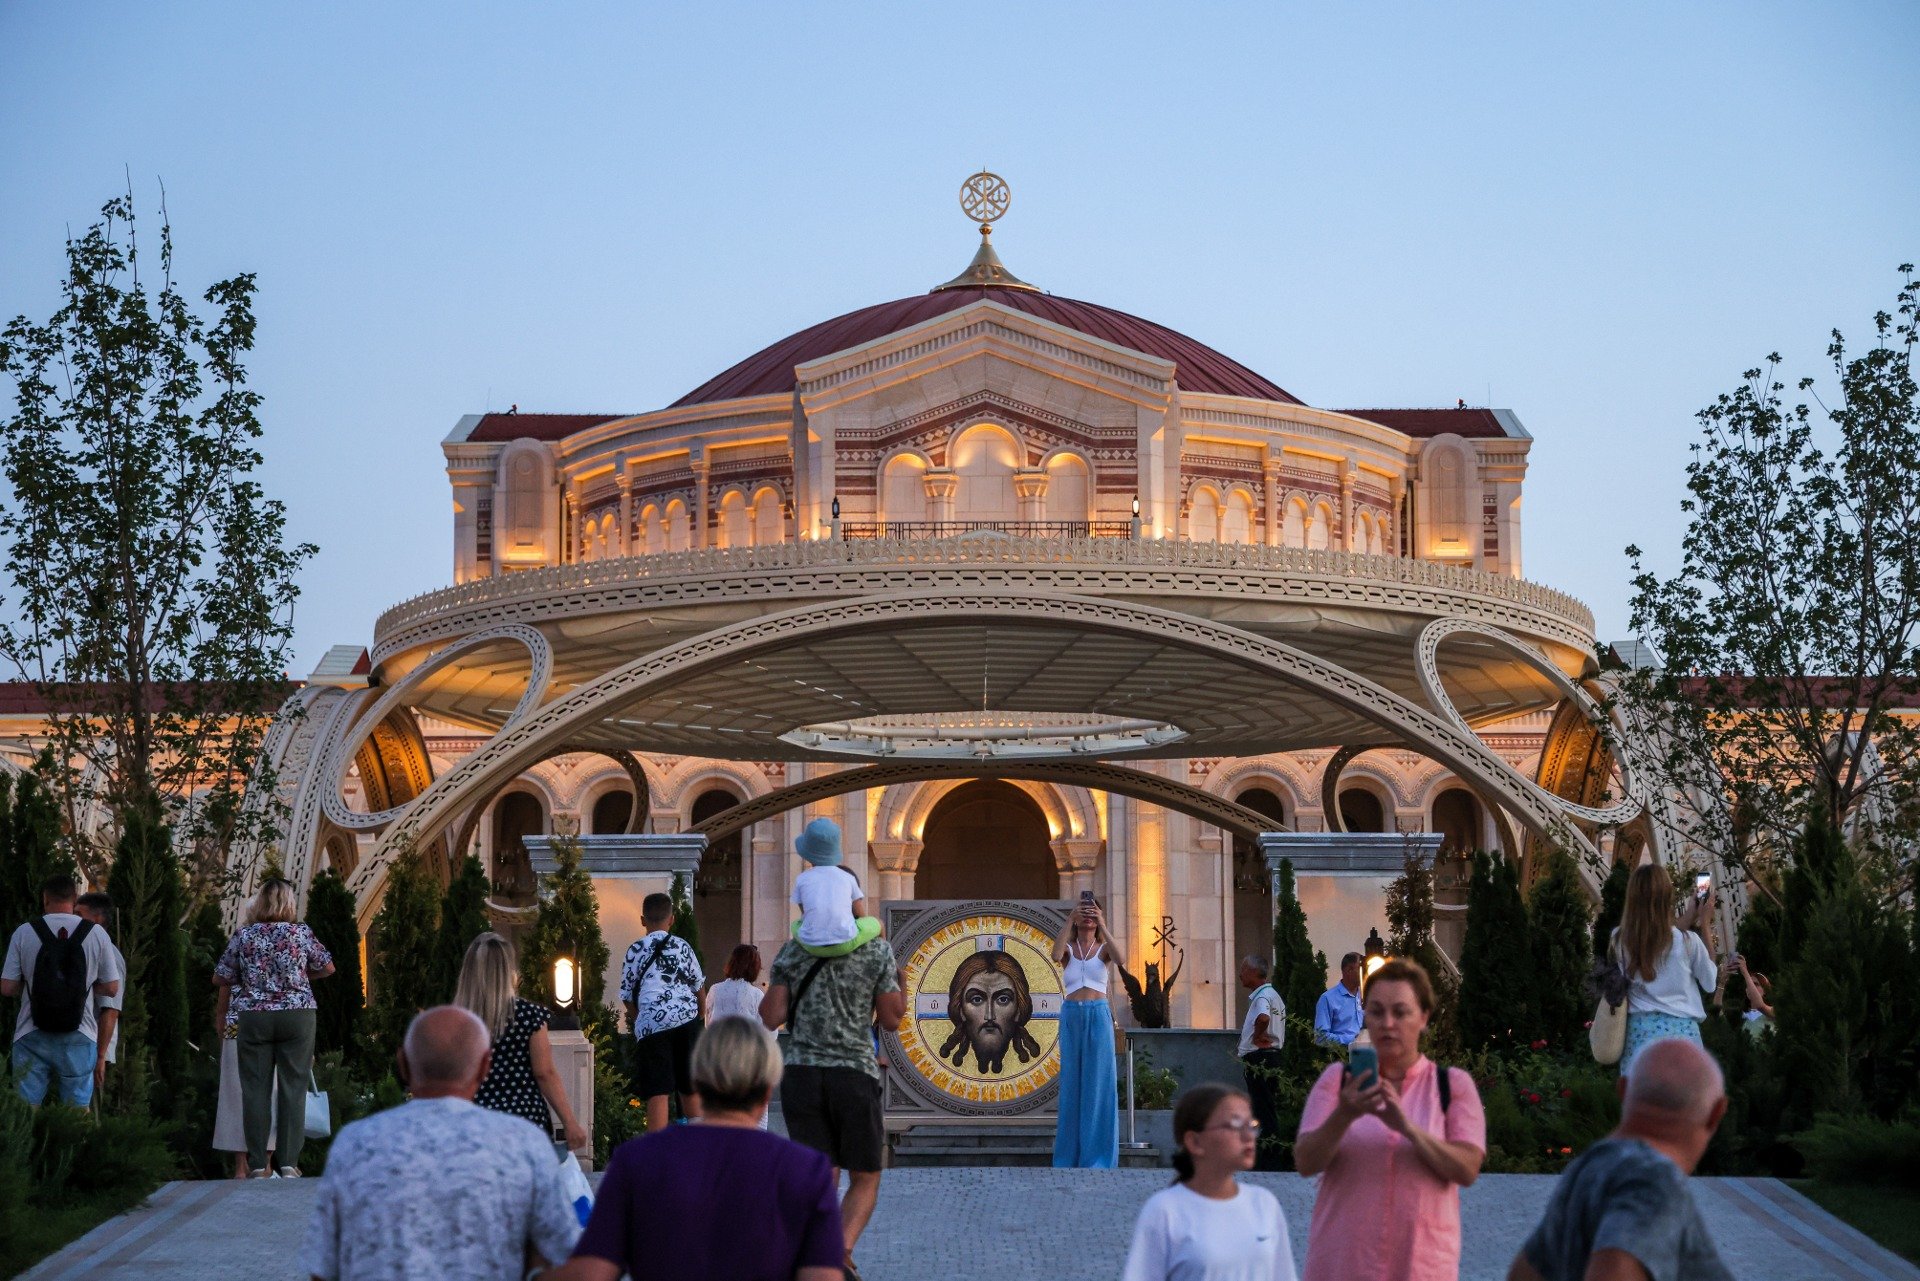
(524, 738)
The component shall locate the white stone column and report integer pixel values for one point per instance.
(1396, 489)
(941, 485)
(895, 861)
(626, 511)
(1347, 472)
(1075, 857)
(702, 473)
(1030, 491)
(1270, 487)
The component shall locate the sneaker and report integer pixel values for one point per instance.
(288, 1172)
(263, 1174)
(852, 1272)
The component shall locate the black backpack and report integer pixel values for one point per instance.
(59, 994)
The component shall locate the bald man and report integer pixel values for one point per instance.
(1621, 1212)
(439, 1187)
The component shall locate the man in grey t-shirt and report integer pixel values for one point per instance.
(1621, 1212)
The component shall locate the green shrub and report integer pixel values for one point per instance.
(1860, 1149)
(1543, 1108)
(1153, 1088)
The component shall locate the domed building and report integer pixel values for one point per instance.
(1031, 595)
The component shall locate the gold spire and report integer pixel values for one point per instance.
(984, 197)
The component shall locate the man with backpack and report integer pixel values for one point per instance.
(660, 984)
(61, 962)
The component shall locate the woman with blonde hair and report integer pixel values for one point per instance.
(268, 969)
(1667, 963)
(672, 1202)
(522, 1080)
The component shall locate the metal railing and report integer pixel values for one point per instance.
(861, 530)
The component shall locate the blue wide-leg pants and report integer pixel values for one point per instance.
(1087, 1135)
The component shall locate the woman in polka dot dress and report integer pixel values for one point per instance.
(522, 1079)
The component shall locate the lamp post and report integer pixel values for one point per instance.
(836, 518)
(1376, 953)
(565, 994)
(1136, 518)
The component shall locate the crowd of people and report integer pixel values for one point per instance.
(464, 1179)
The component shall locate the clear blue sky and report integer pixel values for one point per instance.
(1599, 216)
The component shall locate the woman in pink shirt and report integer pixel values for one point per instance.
(1392, 1154)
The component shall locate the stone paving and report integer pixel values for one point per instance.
(1005, 1224)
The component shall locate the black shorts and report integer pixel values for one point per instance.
(835, 1111)
(663, 1062)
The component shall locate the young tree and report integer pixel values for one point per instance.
(684, 926)
(1496, 983)
(1410, 934)
(1613, 902)
(463, 917)
(30, 852)
(149, 904)
(333, 917)
(1299, 972)
(153, 587)
(1561, 934)
(1791, 633)
(567, 924)
(401, 963)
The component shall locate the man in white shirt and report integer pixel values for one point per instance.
(1261, 1037)
(55, 1040)
(440, 1187)
(98, 908)
(660, 984)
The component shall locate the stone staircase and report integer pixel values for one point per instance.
(928, 1146)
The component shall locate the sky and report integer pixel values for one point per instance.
(1596, 217)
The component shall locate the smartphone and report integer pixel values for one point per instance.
(1702, 884)
(1086, 898)
(1363, 1064)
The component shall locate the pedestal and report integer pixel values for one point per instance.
(573, 1060)
(1342, 880)
(625, 869)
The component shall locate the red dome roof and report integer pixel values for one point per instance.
(1197, 367)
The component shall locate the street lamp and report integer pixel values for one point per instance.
(836, 507)
(565, 994)
(1376, 951)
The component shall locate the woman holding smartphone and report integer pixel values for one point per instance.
(1086, 1132)
(1392, 1145)
(1667, 965)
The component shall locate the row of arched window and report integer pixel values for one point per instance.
(1212, 518)
(741, 521)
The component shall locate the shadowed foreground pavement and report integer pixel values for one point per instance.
(1009, 1224)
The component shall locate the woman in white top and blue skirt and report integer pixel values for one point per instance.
(1087, 1132)
(1668, 966)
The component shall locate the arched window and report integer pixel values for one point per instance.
(1068, 492)
(1203, 515)
(589, 540)
(718, 885)
(769, 525)
(903, 490)
(1456, 816)
(611, 812)
(1293, 526)
(516, 816)
(1236, 522)
(1320, 533)
(607, 547)
(678, 536)
(1447, 478)
(983, 460)
(649, 529)
(1361, 811)
(733, 531)
(1377, 535)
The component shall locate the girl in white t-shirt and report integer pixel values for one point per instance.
(1208, 1226)
(1667, 966)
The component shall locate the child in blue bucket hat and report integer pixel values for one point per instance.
(833, 908)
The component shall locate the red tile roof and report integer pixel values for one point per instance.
(1470, 422)
(1197, 367)
(505, 427)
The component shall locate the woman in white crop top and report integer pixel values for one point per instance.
(1668, 966)
(1087, 1130)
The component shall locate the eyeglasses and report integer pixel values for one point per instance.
(1237, 1125)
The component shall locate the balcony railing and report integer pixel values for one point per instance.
(861, 530)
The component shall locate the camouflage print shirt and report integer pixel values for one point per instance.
(830, 1027)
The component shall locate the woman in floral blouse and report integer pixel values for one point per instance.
(268, 968)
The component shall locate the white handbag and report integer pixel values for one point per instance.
(319, 1111)
(1607, 1037)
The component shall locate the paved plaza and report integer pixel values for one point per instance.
(1008, 1224)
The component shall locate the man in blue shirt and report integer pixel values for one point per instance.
(1336, 1019)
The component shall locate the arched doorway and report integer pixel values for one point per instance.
(1361, 811)
(611, 813)
(516, 816)
(986, 839)
(1457, 817)
(1253, 888)
(716, 888)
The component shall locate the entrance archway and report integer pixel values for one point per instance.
(716, 888)
(611, 812)
(986, 839)
(516, 816)
(1361, 811)
(1253, 888)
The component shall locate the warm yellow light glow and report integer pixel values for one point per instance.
(563, 981)
(1374, 963)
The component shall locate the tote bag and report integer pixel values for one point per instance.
(1607, 1037)
(319, 1113)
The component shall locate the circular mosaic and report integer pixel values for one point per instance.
(982, 1029)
